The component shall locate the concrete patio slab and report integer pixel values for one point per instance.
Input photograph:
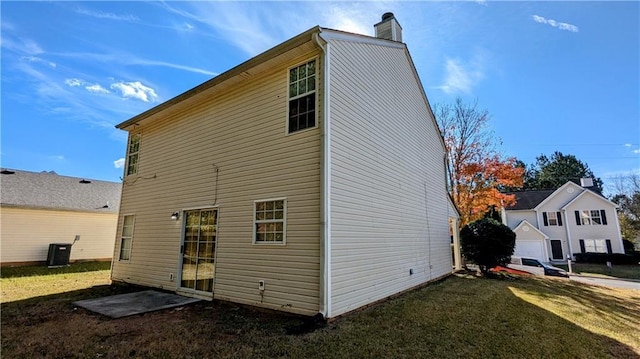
(123, 305)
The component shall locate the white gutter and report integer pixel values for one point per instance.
(325, 187)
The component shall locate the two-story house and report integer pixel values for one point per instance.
(309, 179)
(553, 224)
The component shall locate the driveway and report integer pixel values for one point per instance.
(608, 282)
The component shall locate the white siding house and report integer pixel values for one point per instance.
(309, 179)
(38, 209)
(571, 219)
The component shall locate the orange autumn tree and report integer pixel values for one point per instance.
(475, 170)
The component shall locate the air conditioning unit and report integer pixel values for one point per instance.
(59, 254)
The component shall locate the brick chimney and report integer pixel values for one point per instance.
(388, 28)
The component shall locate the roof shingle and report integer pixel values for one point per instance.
(529, 199)
(52, 191)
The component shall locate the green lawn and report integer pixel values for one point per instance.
(462, 316)
(601, 270)
(27, 282)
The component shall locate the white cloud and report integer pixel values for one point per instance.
(461, 77)
(38, 60)
(119, 163)
(107, 15)
(627, 145)
(73, 82)
(128, 59)
(96, 88)
(553, 23)
(135, 90)
(636, 151)
(22, 46)
(346, 17)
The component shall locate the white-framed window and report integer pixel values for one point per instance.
(127, 237)
(590, 217)
(595, 246)
(132, 154)
(270, 221)
(302, 97)
(552, 218)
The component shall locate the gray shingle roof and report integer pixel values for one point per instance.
(52, 191)
(529, 199)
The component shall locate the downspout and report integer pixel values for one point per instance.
(325, 189)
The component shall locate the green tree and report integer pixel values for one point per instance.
(476, 171)
(487, 243)
(627, 197)
(552, 172)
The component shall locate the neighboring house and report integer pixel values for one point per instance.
(37, 209)
(309, 179)
(552, 224)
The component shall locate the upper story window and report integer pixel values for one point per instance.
(132, 154)
(270, 218)
(552, 218)
(591, 217)
(302, 97)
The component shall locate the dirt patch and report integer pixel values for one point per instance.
(54, 328)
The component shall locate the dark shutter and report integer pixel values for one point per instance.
(577, 217)
(604, 217)
(559, 218)
(609, 250)
(582, 246)
(544, 218)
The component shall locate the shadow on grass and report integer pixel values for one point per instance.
(28, 271)
(457, 317)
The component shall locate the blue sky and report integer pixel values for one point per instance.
(554, 75)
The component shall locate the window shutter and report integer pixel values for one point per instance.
(559, 218)
(582, 246)
(604, 216)
(544, 218)
(577, 217)
(609, 250)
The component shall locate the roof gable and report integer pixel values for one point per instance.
(522, 226)
(566, 186)
(47, 190)
(588, 193)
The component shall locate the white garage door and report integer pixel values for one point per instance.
(531, 249)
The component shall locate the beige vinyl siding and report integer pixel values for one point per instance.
(239, 130)
(389, 210)
(27, 233)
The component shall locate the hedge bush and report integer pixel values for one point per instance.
(603, 258)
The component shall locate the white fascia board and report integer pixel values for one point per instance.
(456, 213)
(568, 184)
(525, 223)
(335, 35)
